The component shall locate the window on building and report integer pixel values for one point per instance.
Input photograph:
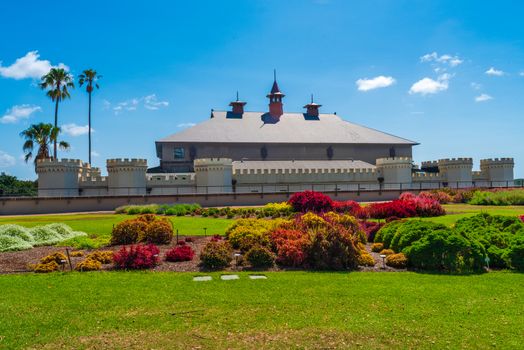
(180, 153)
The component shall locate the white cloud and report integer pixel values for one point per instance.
(476, 86)
(6, 160)
(18, 112)
(75, 130)
(95, 153)
(374, 83)
(29, 66)
(150, 102)
(185, 125)
(483, 98)
(521, 74)
(427, 85)
(452, 61)
(494, 72)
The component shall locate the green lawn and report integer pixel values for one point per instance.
(458, 211)
(98, 226)
(145, 310)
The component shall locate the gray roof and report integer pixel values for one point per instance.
(259, 127)
(302, 164)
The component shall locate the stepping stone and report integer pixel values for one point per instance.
(229, 277)
(202, 278)
(257, 277)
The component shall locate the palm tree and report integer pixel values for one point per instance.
(57, 82)
(41, 136)
(90, 78)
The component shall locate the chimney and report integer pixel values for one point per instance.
(238, 106)
(275, 100)
(312, 108)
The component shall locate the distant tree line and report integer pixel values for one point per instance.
(11, 186)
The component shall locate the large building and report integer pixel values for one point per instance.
(239, 152)
(276, 135)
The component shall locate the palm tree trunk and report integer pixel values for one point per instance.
(56, 125)
(89, 123)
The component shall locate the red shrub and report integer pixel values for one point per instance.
(349, 207)
(181, 243)
(310, 201)
(291, 253)
(521, 218)
(137, 257)
(180, 253)
(189, 239)
(408, 205)
(216, 238)
(370, 228)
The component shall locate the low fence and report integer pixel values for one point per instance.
(215, 196)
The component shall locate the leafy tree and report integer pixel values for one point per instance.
(41, 135)
(57, 83)
(90, 78)
(11, 186)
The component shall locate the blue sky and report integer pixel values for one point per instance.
(448, 74)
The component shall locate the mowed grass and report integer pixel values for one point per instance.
(370, 310)
(99, 226)
(455, 212)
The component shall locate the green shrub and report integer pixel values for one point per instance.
(411, 231)
(516, 253)
(16, 231)
(510, 197)
(443, 250)
(387, 232)
(216, 255)
(12, 243)
(259, 256)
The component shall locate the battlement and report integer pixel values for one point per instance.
(212, 161)
(170, 179)
(497, 161)
(299, 171)
(429, 164)
(61, 162)
(455, 161)
(426, 176)
(126, 162)
(93, 181)
(395, 162)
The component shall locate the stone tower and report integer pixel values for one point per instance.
(126, 176)
(213, 175)
(395, 170)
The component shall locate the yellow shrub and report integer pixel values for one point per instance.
(76, 254)
(398, 261)
(56, 257)
(387, 252)
(365, 259)
(103, 256)
(312, 220)
(282, 206)
(88, 264)
(46, 267)
(377, 247)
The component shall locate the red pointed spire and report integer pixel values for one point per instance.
(275, 99)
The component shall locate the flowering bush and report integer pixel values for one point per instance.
(128, 231)
(349, 207)
(408, 205)
(88, 264)
(259, 256)
(137, 257)
(157, 232)
(521, 218)
(439, 196)
(180, 253)
(246, 233)
(370, 228)
(377, 247)
(310, 201)
(216, 255)
(398, 261)
(103, 256)
(365, 259)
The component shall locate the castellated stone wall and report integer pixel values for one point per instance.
(395, 170)
(72, 177)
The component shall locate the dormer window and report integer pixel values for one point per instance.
(179, 153)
